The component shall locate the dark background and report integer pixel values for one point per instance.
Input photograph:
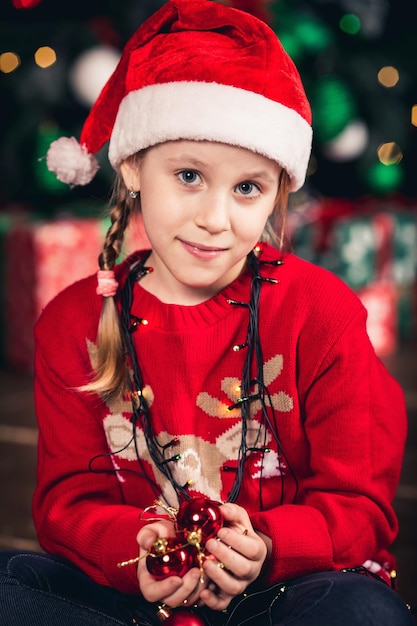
(339, 71)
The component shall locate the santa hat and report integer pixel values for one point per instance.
(196, 70)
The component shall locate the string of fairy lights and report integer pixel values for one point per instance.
(342, 134)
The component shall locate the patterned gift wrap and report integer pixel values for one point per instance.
(374, 250)
(42, 258)
(381, 302)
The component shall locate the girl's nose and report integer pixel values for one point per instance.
(213, 213)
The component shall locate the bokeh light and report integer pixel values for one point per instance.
(350, 24)
(389, 153)
(333, 107)
(349, 144)
(414, 115)
(25, 4)
(388, 76)
(384, 178)
(91, 71)
(9, 61)
(45, 56)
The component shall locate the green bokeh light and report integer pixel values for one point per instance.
(333, 107)
(384, 178)
(313, 34)
(291, 44)
(350, 24)
(302, 34)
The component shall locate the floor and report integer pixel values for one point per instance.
(18, 460)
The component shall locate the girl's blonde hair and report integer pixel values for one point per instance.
(111, 376)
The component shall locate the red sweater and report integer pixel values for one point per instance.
(340, 418)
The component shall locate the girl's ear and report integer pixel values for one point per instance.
(131, 175)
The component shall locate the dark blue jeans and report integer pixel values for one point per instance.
(40, 589)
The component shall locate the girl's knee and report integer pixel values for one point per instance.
(344, 599)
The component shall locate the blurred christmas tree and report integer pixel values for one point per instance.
(355, 56)
(357, 62)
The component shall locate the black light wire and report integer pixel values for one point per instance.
(254, 355)
(246, 395)
(139, 404)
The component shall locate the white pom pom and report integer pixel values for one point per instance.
(70, 162)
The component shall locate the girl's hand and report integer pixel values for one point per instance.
(172, 591)
(240, 550)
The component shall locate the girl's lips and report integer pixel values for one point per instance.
(202, 252)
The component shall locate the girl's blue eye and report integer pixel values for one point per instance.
(246, 188)
(188, 176)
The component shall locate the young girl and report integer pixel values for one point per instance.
(211, 378)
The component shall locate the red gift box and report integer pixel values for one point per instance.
(381, 302)
(42, 258)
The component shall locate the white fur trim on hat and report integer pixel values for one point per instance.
(213, 112)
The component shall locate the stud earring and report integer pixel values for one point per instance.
(133, 194)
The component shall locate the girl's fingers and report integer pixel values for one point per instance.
(189, 591)
(149, 533)
(242, 555)
(238, 555)
(172, 591)
(228, 560)
(238, 559)
(153, 590)
(247, 543)
(224, 578)
(236, 516)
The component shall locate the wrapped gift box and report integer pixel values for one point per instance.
(381, 301)
(352, 251)
(404, 257)
(373, 248)
(41, 259)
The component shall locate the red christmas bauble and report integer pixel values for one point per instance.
(183, 618)
(169, 557)
(200, 515)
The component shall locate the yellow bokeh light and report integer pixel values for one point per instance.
(9, 61)
(388, 76)
(45, 56)
(389, 153)
(414, 115)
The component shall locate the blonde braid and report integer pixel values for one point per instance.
(110, 366)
